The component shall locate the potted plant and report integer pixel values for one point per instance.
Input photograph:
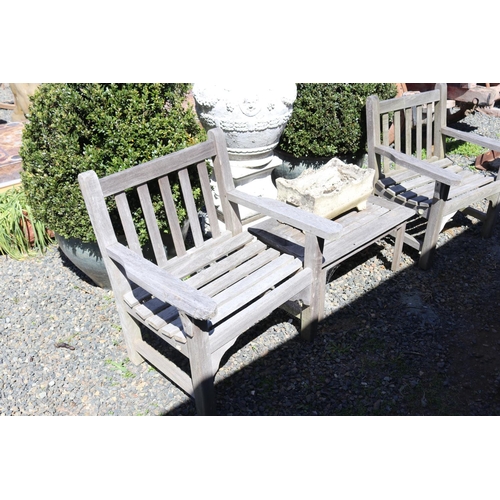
(328, 120)
(75, 127)
(21, 234)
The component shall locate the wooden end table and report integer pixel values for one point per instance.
(360, 230)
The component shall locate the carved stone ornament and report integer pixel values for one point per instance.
(252, 116)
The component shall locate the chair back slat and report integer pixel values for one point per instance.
(152, 224)
(151, 170)
(190, 206)
(127, 223)
(418, 132)
(171, 212)
(408, 130)
(208, 198)
(167, 188)
(411, 124)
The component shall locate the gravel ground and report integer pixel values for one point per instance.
(403, 343)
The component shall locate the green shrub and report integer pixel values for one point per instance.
(329, 119)
(74, 127)
(20, 233)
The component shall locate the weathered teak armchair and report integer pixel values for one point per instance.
(199, 301)
(415, 172)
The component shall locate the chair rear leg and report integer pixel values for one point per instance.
(491, 216)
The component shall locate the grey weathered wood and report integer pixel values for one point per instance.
(426, 113)
(359, 230)
(171, 212)
(200, 300)
(419, 166)
(98, 213)
(161, 284)
(208, 198)
(315, 310)
(189, 203)
(288, 214)
(128, 223)
(154, 169)
(152, 224)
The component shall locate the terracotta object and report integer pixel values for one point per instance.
(488, 161)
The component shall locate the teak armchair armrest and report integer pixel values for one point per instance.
(419, 166)
(479, 140)
(288, 214)
(162, 284)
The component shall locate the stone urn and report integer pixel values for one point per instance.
(252, 116)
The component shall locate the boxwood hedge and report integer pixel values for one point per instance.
(328, 119)
(74, 127)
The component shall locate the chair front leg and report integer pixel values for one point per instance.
(200, 359)
(434, 224)
(315, 311)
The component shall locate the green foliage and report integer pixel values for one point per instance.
(121, 367)
(329, 119)
(74, 127)
(455, 146)
(21, 234)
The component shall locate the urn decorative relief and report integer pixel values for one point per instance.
(252, 116)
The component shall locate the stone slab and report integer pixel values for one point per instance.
(330, 190)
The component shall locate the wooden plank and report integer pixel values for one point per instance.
(208, 197)
(466, 199)
(419, 166)
(162, 284)
(103, 228)
(149, 308)
(360, 230)
(397, 178)
(409, 101)
(240, 272)
(288, 214)
(152, 224)
(314, 313)
(173, 220)
(261, 308)
(254, 285)
(159, 167)
(162, 318)
(408, 130)
(429, 143)
(226, 264)
(418, 132)
(213, 250)
(396, 190)
(190, 205)
(362, 236)
(274, 234)
(225, 182)
(172, 371)
(480, 140)
(136, 296)
(128, 223)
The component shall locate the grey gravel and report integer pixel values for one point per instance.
(409, 342)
